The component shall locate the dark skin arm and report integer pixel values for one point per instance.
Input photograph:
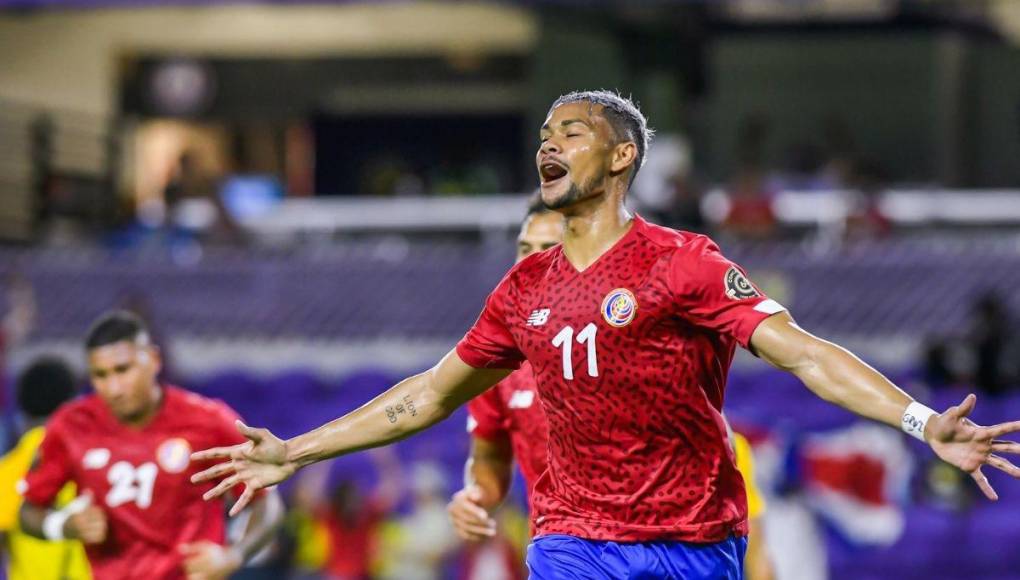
(410, 406)
(837, 376)
(486, 482)
(88, 525)
(210, 561)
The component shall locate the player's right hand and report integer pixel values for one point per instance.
(471, 521)
(258, 463)
(88, 525)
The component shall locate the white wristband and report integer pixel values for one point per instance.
(53, 524)
(915, 418)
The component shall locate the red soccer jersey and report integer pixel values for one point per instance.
(631, 357)
(512, 409)
(139, 477)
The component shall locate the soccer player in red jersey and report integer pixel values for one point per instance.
(631, 360)
(506, 422)
(127, 448)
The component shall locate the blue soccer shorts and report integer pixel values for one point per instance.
(559, 557)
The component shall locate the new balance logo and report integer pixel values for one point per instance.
(521, 399)
(538, 317)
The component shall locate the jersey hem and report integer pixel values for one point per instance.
(707, 533)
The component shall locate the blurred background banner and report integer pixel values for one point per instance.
(309, 200)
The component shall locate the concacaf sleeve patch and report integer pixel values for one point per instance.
(738, 287)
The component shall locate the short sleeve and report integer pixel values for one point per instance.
(51, 469)
(486, 416)
(714, 293)
(489, 343)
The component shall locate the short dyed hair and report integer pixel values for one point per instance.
(116, 326)
(624, 116)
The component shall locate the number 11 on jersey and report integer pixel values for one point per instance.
(565, 340)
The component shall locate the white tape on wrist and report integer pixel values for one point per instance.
(915, 418)
(53, 523)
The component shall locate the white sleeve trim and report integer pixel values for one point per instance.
(769, 307)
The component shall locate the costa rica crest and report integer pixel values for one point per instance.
(174, 455)
(619, 307)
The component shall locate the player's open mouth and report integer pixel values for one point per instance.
(550, 171)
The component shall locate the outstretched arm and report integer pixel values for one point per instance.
(837, 376)
(411, 406)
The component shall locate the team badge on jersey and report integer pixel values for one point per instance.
(174, 455)
(738, 286)
(619, 307)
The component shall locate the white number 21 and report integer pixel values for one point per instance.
(130, 483)
(565, 340)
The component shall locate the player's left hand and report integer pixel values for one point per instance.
(210, 561)
(959, 441)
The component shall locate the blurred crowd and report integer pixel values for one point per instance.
(195, 197)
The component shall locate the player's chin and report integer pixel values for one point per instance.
(556, 193)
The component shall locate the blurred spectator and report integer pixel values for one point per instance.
(937, 369)
(802, 169)
(866, 219)
(945, 486)
(750, 214)
(686, 212)
(335, 538)
(307, 539)
(422, 541)
(352, 519)
(19, 317)
(495, 559)
(16, 322)
(666, 189)
(989, 337)
(193, 204)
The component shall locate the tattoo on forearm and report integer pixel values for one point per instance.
(394, 412)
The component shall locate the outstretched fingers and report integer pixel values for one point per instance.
(256, 435)
(243, 501)
(217, 453)
(963, 409)
(222, 487)
(1004, 464)
(1002, 446)
(1001, 429)
(983, 484)
(214, 472)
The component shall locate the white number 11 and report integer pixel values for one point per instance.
(565, 340)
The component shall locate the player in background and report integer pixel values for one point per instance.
(506, 423)
(757, 562)
(44, 386)
(127, 448)
(631, 363)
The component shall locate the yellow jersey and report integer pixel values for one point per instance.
(30, 558)
(745, 463)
